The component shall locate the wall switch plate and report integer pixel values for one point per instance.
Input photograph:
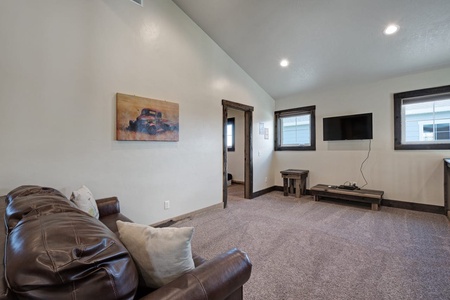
(166, 204)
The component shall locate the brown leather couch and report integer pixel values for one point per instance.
(52, 250)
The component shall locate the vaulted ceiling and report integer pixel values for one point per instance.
(327, 43)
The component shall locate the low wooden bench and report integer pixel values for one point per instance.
(373, 197)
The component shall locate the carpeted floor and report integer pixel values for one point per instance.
(301, 249)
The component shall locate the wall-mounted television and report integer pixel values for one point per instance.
(351, 127)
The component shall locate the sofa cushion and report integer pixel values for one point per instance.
(56, 251)
(31, 201)
(161, 254)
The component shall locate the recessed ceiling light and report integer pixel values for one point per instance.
(391, 29)
(284, 63)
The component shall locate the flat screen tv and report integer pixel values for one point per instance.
(352, 127)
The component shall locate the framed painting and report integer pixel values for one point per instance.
(145, 119)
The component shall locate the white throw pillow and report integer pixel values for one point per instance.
(85, 201)
(161, 254)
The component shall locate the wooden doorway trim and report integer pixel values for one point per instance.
(248, 148)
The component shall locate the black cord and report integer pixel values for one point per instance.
(362, 164)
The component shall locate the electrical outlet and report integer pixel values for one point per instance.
(265, 180)
(166, 204)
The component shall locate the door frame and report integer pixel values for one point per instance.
(248, 148)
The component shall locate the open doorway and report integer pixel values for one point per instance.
(235, 155)
(248, 146)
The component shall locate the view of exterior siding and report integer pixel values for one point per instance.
(296, 130)
(427, 121)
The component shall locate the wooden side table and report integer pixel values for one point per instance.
(294, 179)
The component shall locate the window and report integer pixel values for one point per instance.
(295, 129)
(422, 119)
(230, 134)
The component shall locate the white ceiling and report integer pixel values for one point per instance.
(328, 43)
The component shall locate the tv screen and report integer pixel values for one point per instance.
(352, 127)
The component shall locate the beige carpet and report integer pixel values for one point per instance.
(301, 249)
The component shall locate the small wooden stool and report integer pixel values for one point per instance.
(294, 179)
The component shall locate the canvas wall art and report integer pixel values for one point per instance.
(145, 119)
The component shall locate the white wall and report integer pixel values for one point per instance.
(235, 159)
(263, 154)
(61, 64)
(412, 176)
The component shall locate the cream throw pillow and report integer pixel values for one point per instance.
(161, 254)
(85, 201)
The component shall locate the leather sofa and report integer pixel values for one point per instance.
(52, 250)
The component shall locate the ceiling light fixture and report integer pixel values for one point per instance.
(284, 63)
(391, 29)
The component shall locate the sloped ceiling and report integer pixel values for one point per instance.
(328, 43)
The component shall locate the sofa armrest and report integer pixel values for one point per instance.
(108, 206)
(109, 212)
(215, 279)
(198, 260)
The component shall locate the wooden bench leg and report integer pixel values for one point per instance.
(297, 188)
(303, 184)
(291, 185)
(285, 186)
(375, 206)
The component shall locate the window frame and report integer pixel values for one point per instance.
(231, 121)
(398, 104)
(311, 110)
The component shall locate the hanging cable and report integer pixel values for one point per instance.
(362, 164)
